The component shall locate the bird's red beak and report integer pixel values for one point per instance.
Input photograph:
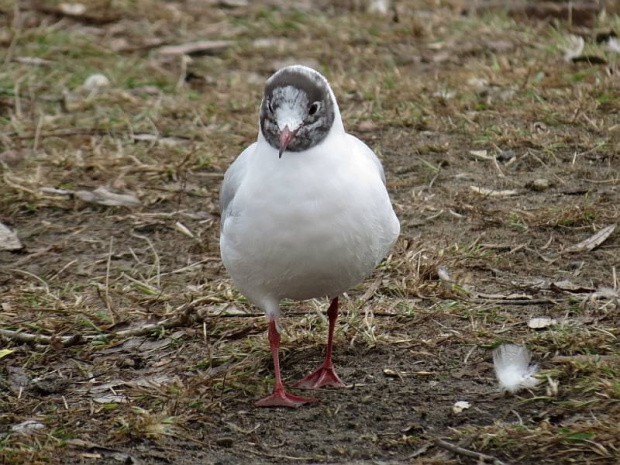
(286, 136)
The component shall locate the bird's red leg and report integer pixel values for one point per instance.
(325, 375)
(279, 397)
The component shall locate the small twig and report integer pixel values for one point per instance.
(55, 275)
(107, 283)
(466, 452)
(28, 338)
(430, 184)
(317, 458)
(515, 302)
(604, 181)
(421, 451)
(150, 328)
(24, 337)
(497, 167)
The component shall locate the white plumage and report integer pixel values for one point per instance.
(513, 369)
(305, 221)
(311, 224)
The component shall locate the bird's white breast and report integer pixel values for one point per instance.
(311, 224)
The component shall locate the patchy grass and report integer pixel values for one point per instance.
(121, 334)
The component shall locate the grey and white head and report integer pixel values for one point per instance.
(298, 109)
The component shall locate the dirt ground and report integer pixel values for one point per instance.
(122, 339)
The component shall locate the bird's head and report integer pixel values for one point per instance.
(298, 109)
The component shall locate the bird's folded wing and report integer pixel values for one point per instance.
(364, 151)
(232, 180)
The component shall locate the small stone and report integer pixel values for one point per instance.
(96, 81)
(225, 442)
(461, 405)
(128, 363)
(72, 9)
(50, 384)
(506, 156)
(540, 185)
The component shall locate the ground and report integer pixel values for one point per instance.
(122, 338)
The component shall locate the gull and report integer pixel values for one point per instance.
(305, 212)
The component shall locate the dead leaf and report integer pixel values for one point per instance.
(99, 451)
(102, 196)
(18, 379)
(8, 239)
(152, 381)
(461, 405)
(27, 427)
(567, 286)
(541, 322)
(594, 241)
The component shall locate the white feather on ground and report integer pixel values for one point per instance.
(513, 369)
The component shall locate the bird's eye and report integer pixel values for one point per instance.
(314, 108)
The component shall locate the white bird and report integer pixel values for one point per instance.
(305, 212)
(513, 369)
